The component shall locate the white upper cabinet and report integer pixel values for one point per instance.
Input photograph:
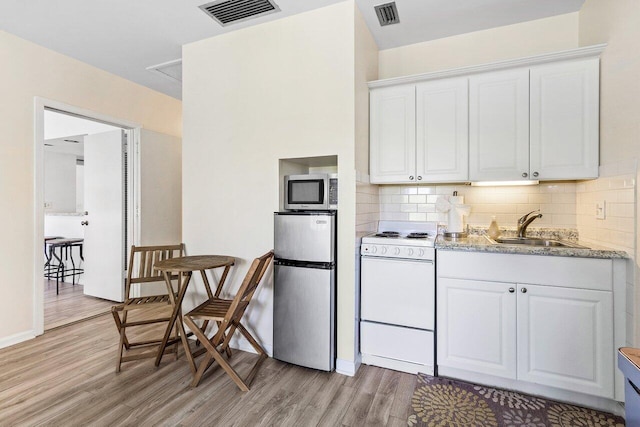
(564, 120)
(533, 118)
(442, 131)
(393, 134)
(419, 133)
(499, 125)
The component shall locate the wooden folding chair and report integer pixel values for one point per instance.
(141, 271)
(227, 315)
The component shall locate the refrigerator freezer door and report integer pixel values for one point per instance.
(303, 319)
(305, 237)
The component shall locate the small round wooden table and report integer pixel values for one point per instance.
(184, 268)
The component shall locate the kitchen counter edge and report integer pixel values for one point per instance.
(482, 244)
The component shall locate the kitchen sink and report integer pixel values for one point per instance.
(533, 241)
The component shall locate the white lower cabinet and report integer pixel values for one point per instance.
(477, 326)
(565, 338)
(550, 333)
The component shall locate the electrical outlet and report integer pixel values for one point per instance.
(601, 209)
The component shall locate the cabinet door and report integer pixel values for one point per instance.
(442, 131)
(499, 126)
(565, 339)
(564, 120)
(393, 134)
(476, 326)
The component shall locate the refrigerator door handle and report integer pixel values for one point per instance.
(305, 264)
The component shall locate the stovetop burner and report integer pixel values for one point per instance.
(392, 236)
(388, 234)
(417, 235)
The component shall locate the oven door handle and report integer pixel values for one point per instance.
(430, 261)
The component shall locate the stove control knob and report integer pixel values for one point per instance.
(410, 251)
(396, 251)
(374, 249)
(421, 253)
(384, 250)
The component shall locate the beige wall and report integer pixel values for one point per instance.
(27, 71)
(283, 89)
(511, 41)
(366, 70)
(617, 23)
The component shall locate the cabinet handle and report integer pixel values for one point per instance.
(523, 290)
(84, 222)
(535, 174)
(419, 178)
(511, 290)
(410, 177)
(524, 174)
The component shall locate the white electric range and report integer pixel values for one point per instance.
(401, 239)
(397, 322)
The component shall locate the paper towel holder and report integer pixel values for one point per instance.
(454, 235)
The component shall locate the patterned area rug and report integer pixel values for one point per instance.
(439, 401)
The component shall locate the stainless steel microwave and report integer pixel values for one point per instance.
(314, 191)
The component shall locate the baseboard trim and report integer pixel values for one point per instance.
(240, 343)
(396, 365)
(348, 367)
(245, 346)
(16, 339)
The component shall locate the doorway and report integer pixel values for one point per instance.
(67, 135)
(66, 221)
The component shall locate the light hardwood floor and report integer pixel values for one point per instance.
(67, 378)
(71, 305)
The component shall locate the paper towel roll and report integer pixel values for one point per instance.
(456, 200)
(456, 209)
(456, 214)
(456, 221)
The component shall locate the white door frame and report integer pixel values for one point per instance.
(133, 130)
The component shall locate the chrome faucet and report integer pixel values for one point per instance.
(524, 222)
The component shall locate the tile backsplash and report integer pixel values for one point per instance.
(562, 204)
(617, 229)
(556, 201)
(367, 207)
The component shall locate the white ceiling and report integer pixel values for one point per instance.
(125, 37)
(422, 20)
(60, 125)
(64, 133)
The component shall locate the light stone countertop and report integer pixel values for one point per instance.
(481, 243)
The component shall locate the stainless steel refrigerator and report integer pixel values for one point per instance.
(304, 289)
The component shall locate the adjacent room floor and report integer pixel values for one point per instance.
(67, 377)
(70, 305)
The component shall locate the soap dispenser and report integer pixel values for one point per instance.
(493, 231)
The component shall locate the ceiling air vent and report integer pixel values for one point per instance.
(387, 14)
(227, 12)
